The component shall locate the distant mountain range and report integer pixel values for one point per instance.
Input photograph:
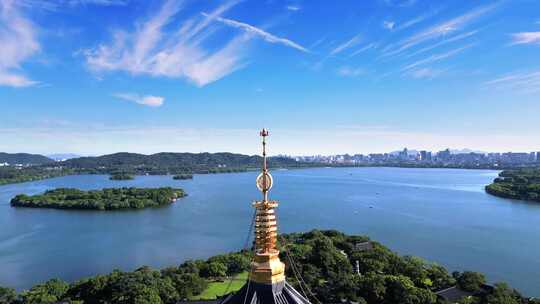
(167, 160)
(24, 159)
(191, 161)
(63, 156)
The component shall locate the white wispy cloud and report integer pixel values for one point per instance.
(412, 22)
(99, 2)
(58, 4)
(18, 42)
(147, 100)
(389, 25)
(526, 38)
(363, 49)
(425, 73)
(152, 51)
(416, 20)
(522, 82)
(439, 30)
(293, 7)
(444, 42)
(350, 72)
(400, 3)
(347, 44)
(437, 57)
(250, 29)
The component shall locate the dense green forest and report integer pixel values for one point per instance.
(121, 176)
(106, 199)
(11, 175)
(24, 159)
(523, 184)
(324, 259)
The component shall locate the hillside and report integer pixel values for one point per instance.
(166, 162)
(24, 158)
(329, 265)
(523, 184)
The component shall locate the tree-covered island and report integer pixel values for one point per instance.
(106, 199)
(121, 176)
(523, 184)
(183, 176)
(331, 264)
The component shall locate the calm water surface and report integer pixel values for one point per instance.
(440, 214)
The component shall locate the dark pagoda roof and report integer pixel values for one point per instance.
(257, 293)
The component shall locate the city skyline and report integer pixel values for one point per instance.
(98, 77)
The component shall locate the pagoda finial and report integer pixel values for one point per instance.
(264, 180)
(266, 267)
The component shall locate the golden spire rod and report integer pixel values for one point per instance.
(265, 175)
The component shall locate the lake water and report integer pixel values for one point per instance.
(439, 214)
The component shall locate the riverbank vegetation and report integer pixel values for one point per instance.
(325, 260)
(12, 174)
(521, 184)
(106, 199)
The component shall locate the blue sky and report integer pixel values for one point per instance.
(102, 76)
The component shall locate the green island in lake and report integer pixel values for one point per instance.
(106, 199)
(121, 176)
(183, 176)
(335, 266)
(523, 184)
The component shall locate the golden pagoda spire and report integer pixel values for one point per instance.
(266, 267)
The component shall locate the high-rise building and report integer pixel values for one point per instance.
(425, 155)
(532, 157)
(444, 155)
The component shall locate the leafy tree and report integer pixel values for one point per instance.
(214, 270)
(7, 295)
(502, 294)
(48, 292)
(470, 281)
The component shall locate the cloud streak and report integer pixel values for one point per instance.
(424, 73)
(346, 71)
(526, 38)
(18, 43)
(153, 49)
(252, 30)
(347, 44)
(444, 42)
(293, 8)
(389, 25)
(99, 2)
(363, 49)
(147, 100)
(523, 82)
(437, 57)
(439, 30)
